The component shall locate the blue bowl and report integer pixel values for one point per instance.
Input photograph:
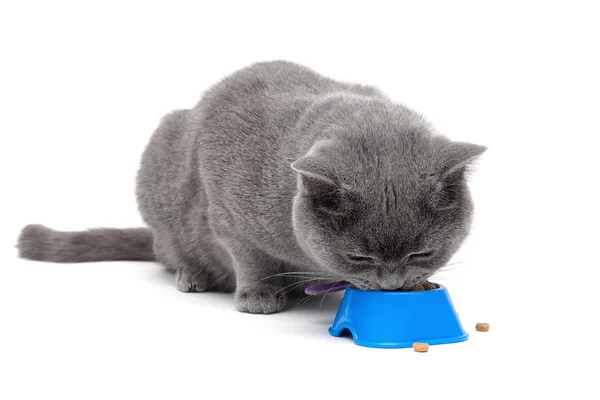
(395, 319)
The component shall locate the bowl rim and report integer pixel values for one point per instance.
(439, 288)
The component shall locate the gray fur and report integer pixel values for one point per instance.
(279, 170)
(37, 242)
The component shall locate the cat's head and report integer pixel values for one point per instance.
(383, 212)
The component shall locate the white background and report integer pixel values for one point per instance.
(82, 86)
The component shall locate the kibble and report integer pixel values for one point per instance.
(482, 327)
(421, 347)
(426, 286)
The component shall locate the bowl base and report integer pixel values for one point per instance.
(395, 345)
(389, 319)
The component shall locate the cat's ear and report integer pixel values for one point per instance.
(314, 173)
(452, 163)
(319, 184)
(457, 157)
(315, 170)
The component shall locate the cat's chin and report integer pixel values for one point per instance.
(371, 288)
(362, 284)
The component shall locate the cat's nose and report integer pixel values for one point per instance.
(390, 281)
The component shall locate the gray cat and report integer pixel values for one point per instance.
(280, 173)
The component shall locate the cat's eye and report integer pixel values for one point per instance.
(420, 256)
(360, 259)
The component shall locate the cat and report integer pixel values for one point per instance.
(280, 173)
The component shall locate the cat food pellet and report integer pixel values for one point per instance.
(425, 286)
(482, 327)
(421, 347)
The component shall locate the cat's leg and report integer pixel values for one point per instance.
(204, 274)
(256, 291)
(192, 280)
(209, 269)
(199, 271)
(160, 251)
(259, 289)
(188, 277)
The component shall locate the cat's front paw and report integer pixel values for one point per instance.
(259, 299)
(197, 282)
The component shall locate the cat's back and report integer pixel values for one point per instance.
(278, 77)
(257, 95)
(242, 122)
(254, 110)
(275, 79)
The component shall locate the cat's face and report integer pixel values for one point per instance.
(383, 223)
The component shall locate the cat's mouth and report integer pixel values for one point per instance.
(364, 284)
(360, 284)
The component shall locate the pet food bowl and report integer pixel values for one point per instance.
(396, 319)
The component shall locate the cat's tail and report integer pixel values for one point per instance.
(36, 242)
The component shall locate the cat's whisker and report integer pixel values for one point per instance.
(292, 284)
(296, 284)
(456, 264)
(328, 290)
(298, 273)
(448, 269)
(304, 282)
(306, 277)
(302, 302)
